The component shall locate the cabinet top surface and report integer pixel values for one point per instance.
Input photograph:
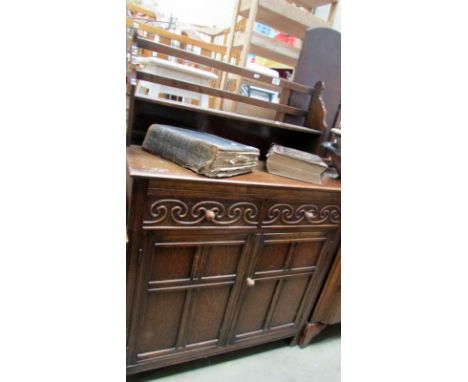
(142, 164)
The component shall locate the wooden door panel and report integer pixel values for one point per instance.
(209, 308)
(290, 297)
(222, 260)
(172, 263)
(255, 307)
(306, 254)
(272, 257)
(186, 293)
(160, 321)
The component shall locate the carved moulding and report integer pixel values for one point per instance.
(183, 213)
(282, 213)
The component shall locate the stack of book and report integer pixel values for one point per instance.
(203, 153)
(295, 164)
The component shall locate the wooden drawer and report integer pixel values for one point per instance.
(280, 214)
(183, 209)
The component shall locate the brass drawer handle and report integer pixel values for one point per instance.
(250, 282)
(209, 215)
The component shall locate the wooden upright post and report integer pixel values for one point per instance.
(332, 13)
(246, 45)
(131, 84)
(248, 32)
(315, 118)
(284, 100)
(230, 42)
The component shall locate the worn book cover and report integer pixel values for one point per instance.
(204, 153)
(295, 164)
(297, 154)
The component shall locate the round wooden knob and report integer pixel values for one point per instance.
(309, 215)
(209, 215)
(250, 282)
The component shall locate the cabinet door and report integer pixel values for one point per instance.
(284, 279)
(185, 294)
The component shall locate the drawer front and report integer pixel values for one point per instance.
(281, 214)
(198, 210)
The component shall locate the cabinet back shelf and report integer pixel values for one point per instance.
(260, 132)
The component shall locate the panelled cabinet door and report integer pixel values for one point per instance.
(186, 293)
(283, 278)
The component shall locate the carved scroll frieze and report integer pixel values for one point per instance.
(187, 213)
(282, 213)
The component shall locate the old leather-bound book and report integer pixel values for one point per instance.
(204, 153)
(295, 164)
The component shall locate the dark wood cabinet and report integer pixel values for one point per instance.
(220, 265)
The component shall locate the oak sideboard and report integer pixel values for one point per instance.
(216, 265)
